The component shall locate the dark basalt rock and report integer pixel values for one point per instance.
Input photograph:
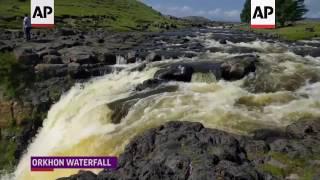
(238, 67)
(85, 71)
(52, 59)
(232, 69)
(83, 175)
(46, 92)
(168, 54)
(152, 57)
(85, 55)
(131, 56)
(181, 72)
(5, 48)
(194, 46)
(30, 129)
(79, 54)
(303, 129)
(187, 150)
(45, 52)
(150, 84)
(46, 71)
(109, 58)
(307, 51)
(268, 135)
(239, 50)
(223, 41)
(83, 58)
(121, 107)
(26, 56)
(183, 150)
(234, 37)
(303, 139)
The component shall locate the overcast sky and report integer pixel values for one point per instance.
(224, 10)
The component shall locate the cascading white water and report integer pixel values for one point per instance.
(80, 123)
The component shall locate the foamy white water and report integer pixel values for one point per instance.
(80, 123)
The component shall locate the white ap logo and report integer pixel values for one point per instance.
(263, 14)
(42, 13)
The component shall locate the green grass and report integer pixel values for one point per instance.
(275, 171)
(295, 32)
(14, 77)
(112, 14)
(298, 165)
(8, 148)
(7, 160)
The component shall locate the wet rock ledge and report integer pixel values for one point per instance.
(188, 150)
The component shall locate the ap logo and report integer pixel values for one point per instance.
(42, 13)
(263, 14)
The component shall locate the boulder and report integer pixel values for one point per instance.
(304, 128)
(188, 150)
(84, 71)
(238, 68)
(82, 58)
(181, 72)
(268, 135)
(184, 71)
(109, 59)
(315, 52)
(46, 71)
(307, 51)
(79, 54)
(45, 52)
(234, 37)
(131, 57)
(73, 70)
(26, 56)
(52, 59)
(223, 41)
(150, 84)
(121, 107)
(98, 69)
(152, 57)
(183, 150)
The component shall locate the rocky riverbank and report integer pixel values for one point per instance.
(54, 61)
(185, 150)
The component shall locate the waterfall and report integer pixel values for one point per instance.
(80, 123)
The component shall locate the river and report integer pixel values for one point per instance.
(284, 89)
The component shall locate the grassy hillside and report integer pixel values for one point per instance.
(298, 31)
(112, 14)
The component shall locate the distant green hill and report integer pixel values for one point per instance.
(198, 19)
(301, 30)
(110, 14)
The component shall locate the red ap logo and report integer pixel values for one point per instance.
(263, 14)
(42, 13)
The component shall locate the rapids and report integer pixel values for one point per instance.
(284, 89)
